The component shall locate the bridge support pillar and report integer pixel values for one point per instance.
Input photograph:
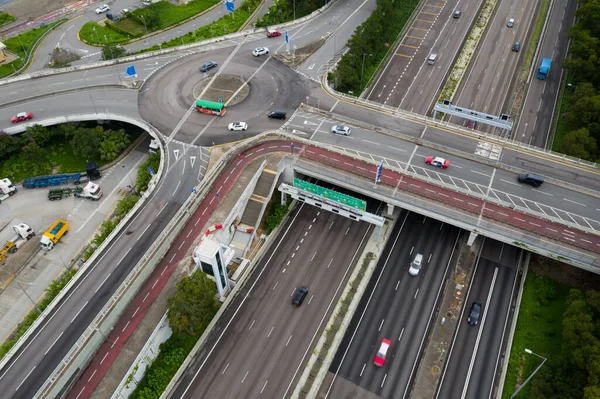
(472, 238)
(390, 210)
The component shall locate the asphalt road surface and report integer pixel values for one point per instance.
(396, 306)
(473, 362)
(262, 341)
(535, 124)
(485, 87)
(407, 81)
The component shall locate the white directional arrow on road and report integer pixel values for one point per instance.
(310, 123)
(176, 152)
(192, 160)
(311, 67)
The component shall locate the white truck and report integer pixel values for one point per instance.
(23, 233)
(7, 189)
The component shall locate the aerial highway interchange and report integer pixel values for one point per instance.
(260, 327)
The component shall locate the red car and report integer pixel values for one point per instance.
(20, 117)
(437, 162)
(471, 125)
(273, 33)
(382, 352)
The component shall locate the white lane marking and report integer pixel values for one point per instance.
(77, 314)
(573, 202)
(102, 283)
(26, 377)
(57, 338)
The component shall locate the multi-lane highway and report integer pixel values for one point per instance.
(473, 361)
(396, 306)
(262, 341)
(165, 100)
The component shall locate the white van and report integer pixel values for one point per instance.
(431, 59)
(416, 265)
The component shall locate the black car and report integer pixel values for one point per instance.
(516, 47)
(207, 66)
(474, 314)
(277, 114)
(113, 17)
(300, 295)
(457, 14)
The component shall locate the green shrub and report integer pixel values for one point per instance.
(6, 18)
(143, 177)
(545, 289)
(275, 216)
(92, 33)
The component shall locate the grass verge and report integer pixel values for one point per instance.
(6, 18)
(22, 45)
(567, 100)
(51, 292)
(132, 26)
(222, 26)
(539, 328)
(92, 33)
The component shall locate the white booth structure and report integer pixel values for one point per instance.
(212, 258)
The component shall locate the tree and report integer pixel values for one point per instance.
(580, 144)
(113, 52)
(38, 133)
(86, 143)
(9, 145)
(194, 305)
(113, 144)
(35, 156)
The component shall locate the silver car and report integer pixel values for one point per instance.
(341, 129)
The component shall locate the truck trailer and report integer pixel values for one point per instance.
(58, 229)
(90, 191)
(544, 68)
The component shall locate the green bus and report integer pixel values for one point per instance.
(210, 107)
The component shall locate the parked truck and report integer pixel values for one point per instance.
(23, 233)
(90, 191)
(544, 69)
(58, 229)
(7, 189)
(92, 173)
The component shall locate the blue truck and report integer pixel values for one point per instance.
(544, 68)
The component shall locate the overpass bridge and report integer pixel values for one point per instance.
(482, 214)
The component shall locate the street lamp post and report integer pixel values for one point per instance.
(144, 20)
(363, 69)
(532, 374)
(28, 297)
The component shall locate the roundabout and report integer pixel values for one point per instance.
(169, 94)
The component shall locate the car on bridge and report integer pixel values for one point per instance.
(471, 125)
(238, 126)
(382, 353)
(260, 51)
(437, 162)
(21, 116)
(273, 33)
(102, 8)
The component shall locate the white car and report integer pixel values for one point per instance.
(102, 8)
(340, 129)
(238, 126)
(125, 10)
(260, 51)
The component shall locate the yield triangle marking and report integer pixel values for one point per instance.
(192, 160)
(176, 152)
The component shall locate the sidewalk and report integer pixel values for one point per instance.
(135, 326)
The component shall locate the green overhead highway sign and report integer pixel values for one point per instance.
(330, 194)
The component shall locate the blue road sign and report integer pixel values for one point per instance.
(217, 195)
(230, 6)
(130, 71)
(151, 171)
(379, 170)
(287, 38)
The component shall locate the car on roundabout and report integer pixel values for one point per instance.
(260, 51)
(208, 66)
(21, 116)
(102, 8)
(340, 129)
(238, 126)
(273, 33)
(437, 162)
(382, 353)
